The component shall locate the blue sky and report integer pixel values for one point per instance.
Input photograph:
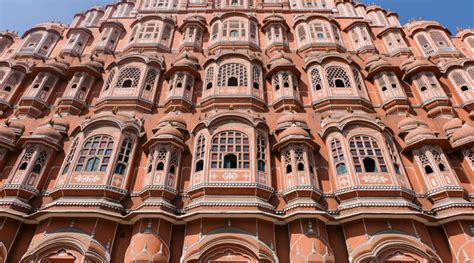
(19, 15)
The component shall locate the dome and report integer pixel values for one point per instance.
(7, 133)
(146, 247)
(174, 119)
(419, 133)
(279, 59)
(409, 124)
(293, 131)
(281, 62)
(463, 133)
(169, 130)
(47, 131)
(16, 125)
(58, 122)
(375, 63)
(291, 118)
(186, 60)
(452, 125)
(412, 66)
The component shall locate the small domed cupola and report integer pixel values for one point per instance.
(8, 136)
(298, 168)
(294, 134)
(175, 119)
(452, 126)
(463, 137)
(288, 120)
(47, 134)
(409, 123)
(147, 247)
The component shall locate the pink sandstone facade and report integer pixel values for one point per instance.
(237, 131)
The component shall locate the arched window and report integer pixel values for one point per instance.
(341, 168)
(441, 167)
(459, 79)
(129, 77)
(23, 166)
(256, 77)
(261, 153)
(369, 165)
(316, 79)
(234, 29)
(209, 77)
(199, 153)
(215, 31)
(394, 156)
(123, 156)
(199, 166)
(234, 33)
(166, 36)
(92, 164)
(367, 155)
(232, 74)
(148, 32)
(109, 79)
(95, 154)
(339, 83)
(319, 32)
(439, 39)
(33, 41)
(302, 34)
(70, 155)
(160, 166)
(357, 78)
(229, 148)
(120, 168)
(425, 44)
(26, 158)
(127, 83)
(36, 168)
(338, 157)
(337, 77)
(428, 169)
(150, 79)
(232, 82)
(300, 167)
(289, 169)
(300, 160)
(432, 159)
(230, 161)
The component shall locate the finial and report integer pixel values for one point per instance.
(58, 112)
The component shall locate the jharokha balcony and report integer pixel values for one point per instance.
(233, 80)
(131, 83)
(225, 170)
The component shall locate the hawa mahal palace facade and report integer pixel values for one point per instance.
(237, 131)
